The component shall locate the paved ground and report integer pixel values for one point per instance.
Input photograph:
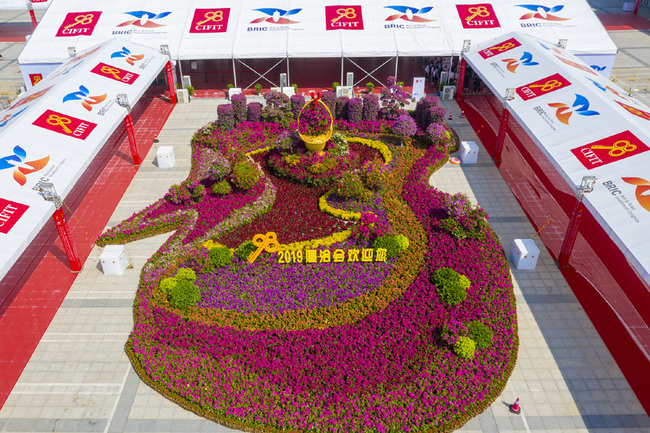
(79, 378)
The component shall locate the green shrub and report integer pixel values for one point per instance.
(451, 286)
(184, 294)
(167, 284)
(351, 187)
(258, 88)
(221, 188)
(390, 243)
(197, 193)
(370, 86)
(481, 334)
(245, 175)
(185, 274)
(335, 84)
(403, 242)
(372, 174)
(465, 348)
(245, 250)
(220, 256)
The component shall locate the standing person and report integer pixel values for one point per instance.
(477, 83)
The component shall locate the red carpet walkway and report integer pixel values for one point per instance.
(613, 296)
(33, 290)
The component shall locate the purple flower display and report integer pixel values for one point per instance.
(370, 107)
(297, 102)
(355, 110)
(239, 107)
(405, 126)
(314, 119)
(225, 117)
(254, 113)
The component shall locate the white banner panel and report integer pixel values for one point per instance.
(6, 5)
(54, 131)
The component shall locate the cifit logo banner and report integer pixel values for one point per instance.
(64, 124)
(632, 110)
(35, 78)
(343, 18)
(610, 149)
(20, 166)
(10, 213)
(478, 16)
(79, 24)
(210, 20)
(114, 73)
(542, 87)
(500, 48)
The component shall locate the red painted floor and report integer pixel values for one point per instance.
(624, 21)
(33, 290)
(15, 32)
(616, 300)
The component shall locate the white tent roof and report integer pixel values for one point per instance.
(586, 126)
(199, 29)
(53, 132)
(6, 5)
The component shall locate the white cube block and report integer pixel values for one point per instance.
(628, 6)
(165, 157)
(114, 260)
(289, 91)
(524, 254)
(233, 91)
(468, 152)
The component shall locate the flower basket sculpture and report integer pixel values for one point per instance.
(315, 124)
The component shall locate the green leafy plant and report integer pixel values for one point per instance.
(400, 83)
(230, 86)
(403, 241)
(220, 257)
(198, 193)
(370, 86)
(184, 294)
(295, 88)
(451, 286)
(335, 84)
(245, 175)
(258, 88)
(481, 334)
(351, 187)
(391, 245)
(186, 274)
(465, 347)
(190, 90)
(221, 188)
(167, 284)
(245, 250)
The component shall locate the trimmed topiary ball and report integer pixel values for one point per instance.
(184, 294)
(452, 286)
(220, 256)
(403, 241)
(221, 188)
(465, 348)
(245, 250)
(481, 334)
(245, 175)
(185, 274)
(391, 245)
(167, 284)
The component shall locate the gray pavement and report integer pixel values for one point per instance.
(80, 380)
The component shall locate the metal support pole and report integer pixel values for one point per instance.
(341, 72)
(66, 240)
(461, 78)
(180, 71)
(288, 75)
(396, 64)
(234, 72)
(571, 235)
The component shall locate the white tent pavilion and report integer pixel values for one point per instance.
(585, 125)
(54, 131)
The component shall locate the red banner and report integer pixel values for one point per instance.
(498, 147)
(66, 240)
(610, 149)
(35, 78)
(10, 213)
(79, 24)
(542, 87)
(499, 48)
(461, 78)
(114, 73)
(64, 124)
(640, 113)
(128, 123)
(477, 16)
(170, 82)
(343, 18)
(33, 16)
(571, 235)
(210, 20)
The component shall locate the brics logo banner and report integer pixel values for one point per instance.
(525, 60)
(4, 120)
(10, 213)
(126, 54)
(478, 16)
(83, 95)
(114, 73)
(409, 14)
(210, 20)
(499, 48)
(580, 106)
(642, 191)
(78, 24)
(608, 150)
(144, 19)
(276, 16)
(343, 18)
(64, 124)
(542, 12)
(542, 87)
(20, 166)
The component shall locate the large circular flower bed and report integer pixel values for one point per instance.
(386, 306)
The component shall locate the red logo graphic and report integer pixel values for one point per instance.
(35, 78)
(114, 73)
(642, 191)
(343, 18)
(64, 124)
(543, 12)
(31, 97)
(17, 162)
(78, 24)
(610, 149)
(10, 213)
(499, 48)
(542, 87)
(477, 16)
(640, 113)
(210, 20)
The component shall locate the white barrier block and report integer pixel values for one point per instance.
(165, 157)
(468, 152)
(524, 254)
(114, 260)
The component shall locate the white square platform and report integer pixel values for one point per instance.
(524, 254)
(233, 91)
(468, 152)
(114, 260)
(165, 157)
